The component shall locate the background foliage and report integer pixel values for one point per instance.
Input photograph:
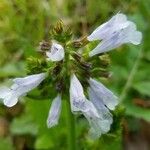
(24, 23)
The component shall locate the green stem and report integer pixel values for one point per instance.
(71, 128)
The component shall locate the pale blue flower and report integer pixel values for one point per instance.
(114, 33)
(103, 100)
(78, 101)
(56, 52)
(104, 31)
(54, 112)
(19, 88)
(104, 94)
(94, 109)
(102, 124)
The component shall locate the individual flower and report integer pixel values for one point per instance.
(103, 99)
(104, 94)
(56, 52)
(54, 112)
(114, 33)
(94, 110)
(101, 125)
(78, 101)
(19, 88)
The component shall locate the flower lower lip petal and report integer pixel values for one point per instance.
(54, 112)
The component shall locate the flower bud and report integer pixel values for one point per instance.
(80, 43)
(59, 27)
(44, 46)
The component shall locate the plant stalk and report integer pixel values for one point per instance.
(71, 128)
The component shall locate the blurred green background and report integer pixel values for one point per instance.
(24, 23)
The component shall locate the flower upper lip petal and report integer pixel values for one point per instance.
(56, 52)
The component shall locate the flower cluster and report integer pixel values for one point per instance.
(96, 101)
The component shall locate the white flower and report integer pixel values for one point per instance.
(56, 52)
(102, 98)
(20, 87)
(54, 112)
(126, 35)
(103, 123)
(78, 101)
(104, 94)
(117, 31)
(116, 23)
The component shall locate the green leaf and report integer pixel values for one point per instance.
(44, 142)
(143, 87)
(136, 111)
(38, 110)
(12, 69)
(23, 125)
(6, 144)
(105, 142)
